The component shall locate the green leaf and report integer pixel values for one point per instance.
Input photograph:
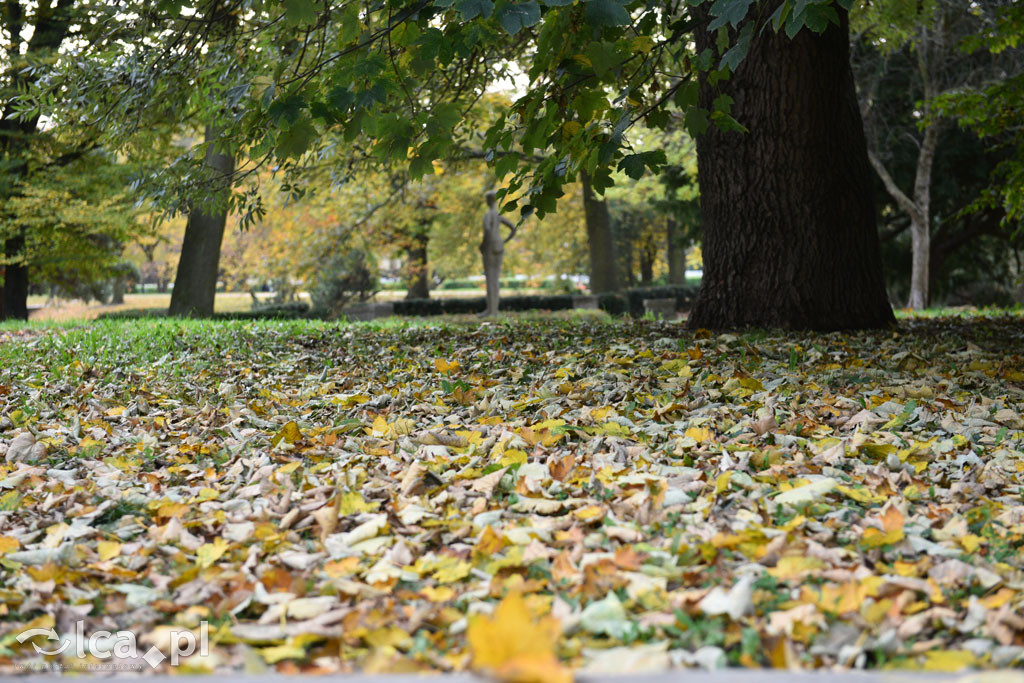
(739, 50)
(633, 165)
(294, 141)
(288, 109)
(471, 9)
(603, 57)
(602, 13)
(300, 11)
(686, 95)
(696, 121)
(728, 12)
(818, 17)
(517, 16)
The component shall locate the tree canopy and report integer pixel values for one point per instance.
(296, 81)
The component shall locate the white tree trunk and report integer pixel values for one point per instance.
(921, 253)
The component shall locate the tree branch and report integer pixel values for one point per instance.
(905, 202)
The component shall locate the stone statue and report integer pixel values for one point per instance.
(493, 250)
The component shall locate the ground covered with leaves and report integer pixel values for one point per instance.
(521, 499)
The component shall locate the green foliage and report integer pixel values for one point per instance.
(75, 217)
(394, 84)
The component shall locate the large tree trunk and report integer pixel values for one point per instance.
(601, 241)
(418, 273)
(14, 299)
(789, 224)
(195, 285)
(676, 254)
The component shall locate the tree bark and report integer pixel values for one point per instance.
(117, 289)
(789, 223)
(601, 241)
(646, 266)
(14, 300)
(676, 254)
(195, 284)
(419, 282)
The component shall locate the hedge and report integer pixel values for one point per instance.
(631, 301)
(287, 311)
(478, 304)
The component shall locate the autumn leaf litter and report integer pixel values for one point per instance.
(518, 499)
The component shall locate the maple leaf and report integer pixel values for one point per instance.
(512, 646)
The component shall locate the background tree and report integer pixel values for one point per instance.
(72, 220)
(47, 24)
(917, 46)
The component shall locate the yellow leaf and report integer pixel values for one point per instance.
(107, 550)
(513, 456)
(722, 482)
(698, 434)
(8, 544)
(284, 469)
(446, 367)
(641, 44)
(352, 503)
(380, 426)
(437, 593)
(860, 494)
(116, 411)
(615, 429)
(948, 660)
(892, 529)
(875, 538)
(89, 444)
(999, 599)
(452, 570)
(9, 501)
(209, 553)
(589, 513)
(277, 653)
(970, 542)
(289, 433)
(512, 646)
(795, 567)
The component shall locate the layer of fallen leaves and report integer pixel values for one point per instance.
(522, 499)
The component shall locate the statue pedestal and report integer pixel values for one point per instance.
(586, 302)
(369, 311)
(663, 308)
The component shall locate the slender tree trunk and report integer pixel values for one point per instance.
(676, 254)
(195, 285)
(624, 252)
(601, 241)
(646, 266)
(117, 290)
(14, 300)
(419, 282)
(789, 224)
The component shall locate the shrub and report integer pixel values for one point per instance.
(345, 278)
